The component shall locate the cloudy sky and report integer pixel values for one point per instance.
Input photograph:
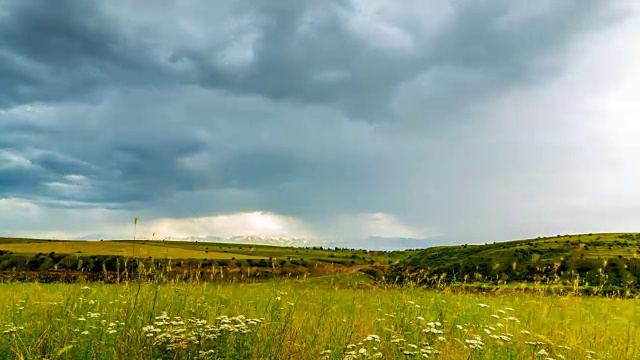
(469, 120)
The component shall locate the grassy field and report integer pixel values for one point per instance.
(187, 250)
(128, 249)
(610, 261)
(334, 308)
(59, 260)
(313, 319)
(584, 246)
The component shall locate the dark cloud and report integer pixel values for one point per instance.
(198, 108)
(67, 51)
(18, 181)
(298, 52)
(469, 59)
(250, 168)
(57, 164)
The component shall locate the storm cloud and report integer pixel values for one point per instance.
(479, 121)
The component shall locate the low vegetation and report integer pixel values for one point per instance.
(288, 319)
(113, 261)
(590, 263)
(593, 263)
(442, 303)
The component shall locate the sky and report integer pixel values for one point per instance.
(462, 121)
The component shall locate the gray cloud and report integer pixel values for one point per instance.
(304, 109)
(295, 52)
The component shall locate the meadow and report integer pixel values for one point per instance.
(185, 300)
(303, 319)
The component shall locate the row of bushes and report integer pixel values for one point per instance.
(613, 272)
(100, 263)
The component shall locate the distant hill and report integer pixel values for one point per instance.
(388, 243)
(369, 243)
(603, 261)
(589, 259)
(92, 237)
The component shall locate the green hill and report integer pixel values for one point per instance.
(109, 260)
(570, 261)
(585, 260)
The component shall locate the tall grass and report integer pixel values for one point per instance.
(306, 320)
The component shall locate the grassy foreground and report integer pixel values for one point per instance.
(286, 319)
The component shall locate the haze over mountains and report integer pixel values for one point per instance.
(368, 243)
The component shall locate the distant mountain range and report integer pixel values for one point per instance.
(395, 243)
(369, 243)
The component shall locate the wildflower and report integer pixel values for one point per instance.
(504, 338)
(475, 343)
(483, 305)
(372, 338)
(420, 318)
(542, 352)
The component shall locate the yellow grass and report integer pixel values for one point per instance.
(299, 320)
(119, 248)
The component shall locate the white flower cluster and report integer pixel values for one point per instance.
(176, 333)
